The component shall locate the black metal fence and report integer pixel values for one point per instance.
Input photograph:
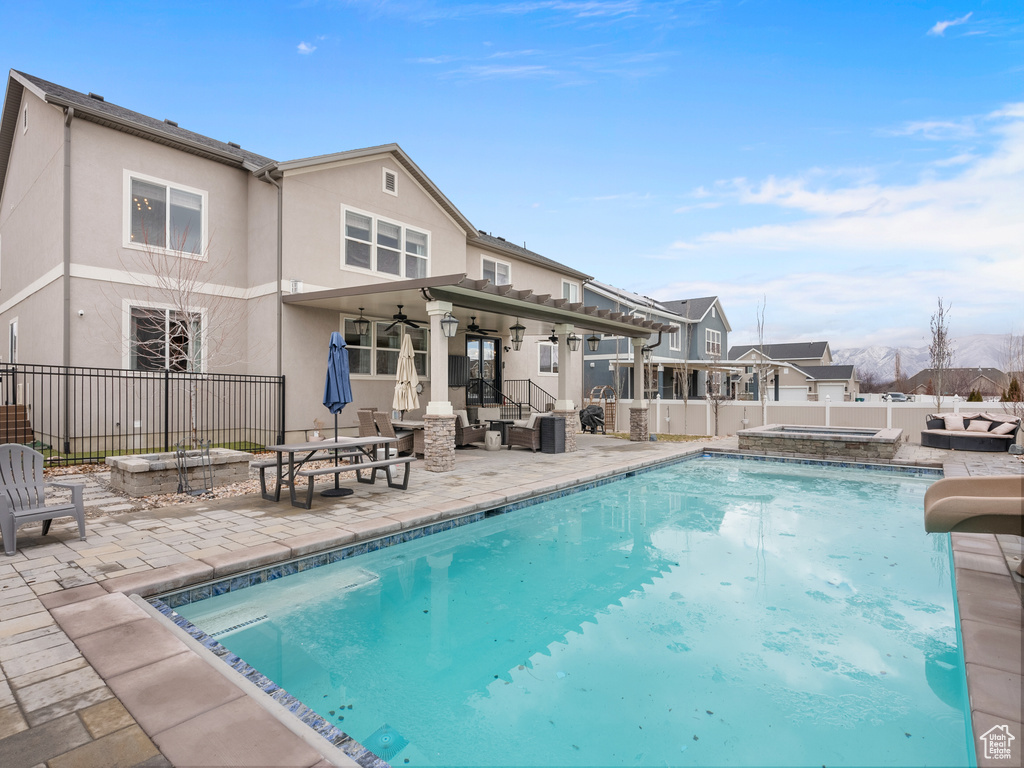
(75, 415)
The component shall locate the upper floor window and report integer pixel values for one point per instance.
(383, 246)
(375, 353)
(713, 311)
(673, 340)
(570, 291)
(498, 272)
(165, 215)
(713, 342)
(161, 338)
(548, 362)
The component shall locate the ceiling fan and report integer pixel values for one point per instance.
(402, 318)
(473, 328)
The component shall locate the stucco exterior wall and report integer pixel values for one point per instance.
(31, 235)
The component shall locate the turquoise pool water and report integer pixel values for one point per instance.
(715, 612)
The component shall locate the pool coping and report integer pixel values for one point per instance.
(163, 604)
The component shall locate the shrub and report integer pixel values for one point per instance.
(974, 397)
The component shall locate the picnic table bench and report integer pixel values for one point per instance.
(362, 453)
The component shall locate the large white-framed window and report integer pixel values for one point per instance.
(498, 272)
(159, 337)
(547, 358)
(571, 291)
(375, 353)
(12, 341)
(712, 342)
(673, 341)
(164, 215)
(383, 246)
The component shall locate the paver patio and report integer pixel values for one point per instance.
(90, 678)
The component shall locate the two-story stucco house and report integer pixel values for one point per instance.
(795, 371)
(677, 363)
(130, 242)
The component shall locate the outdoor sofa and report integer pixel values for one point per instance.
(992, 432)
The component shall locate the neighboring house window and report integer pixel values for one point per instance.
(713, 342)
(164, 339)
(673, 341)
(383, 246)
(12, 345)
(498, 272)
(24, 120)
(166, 215)
(570, 291)
(548, 358)
(712, 311)
(376, 353)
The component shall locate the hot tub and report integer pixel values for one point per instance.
(845, 442)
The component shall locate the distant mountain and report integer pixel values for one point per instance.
(985, 350)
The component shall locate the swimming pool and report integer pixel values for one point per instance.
(712, 612)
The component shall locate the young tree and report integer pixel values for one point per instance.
(1013, 365)
(940, 351)
(761, 365)
(898, 378)
(717, 387)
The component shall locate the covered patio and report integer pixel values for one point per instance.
(454, 304)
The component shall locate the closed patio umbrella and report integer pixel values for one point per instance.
(406, 398)
(337, 394)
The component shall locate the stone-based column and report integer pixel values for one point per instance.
(639, 431)
(438, 443)
(572, 419)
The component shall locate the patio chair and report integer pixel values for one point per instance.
(466, 433)
(526, 436)
(23, 495)
(367, 426)
(387, 429)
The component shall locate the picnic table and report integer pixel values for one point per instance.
(363, 454)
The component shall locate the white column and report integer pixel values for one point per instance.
(563, 403)
(438, 405)
(638, 372)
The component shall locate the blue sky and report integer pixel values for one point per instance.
(844, 163)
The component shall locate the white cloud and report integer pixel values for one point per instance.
(936, 130)
(305, 48)
(941, 26)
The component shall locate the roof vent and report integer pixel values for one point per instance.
(481, 232)
(95, 96)
(502, 239)
(236, 146)
(390, 182)
(171, 123)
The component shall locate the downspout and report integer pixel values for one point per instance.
(280, 265)
(69, 115)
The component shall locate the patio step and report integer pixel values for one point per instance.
(14, 424)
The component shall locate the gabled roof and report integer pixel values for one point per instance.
(827, 372)
(697, 309)
(621, 294)
(996, 376)
(97, 110)
(501, 244)
(800, 350)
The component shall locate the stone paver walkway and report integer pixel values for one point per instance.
(74, 650)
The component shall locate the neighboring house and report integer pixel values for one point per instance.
(678, 362)
(795, 371)
(989, 382)
(130, 242)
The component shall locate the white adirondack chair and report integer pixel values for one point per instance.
(23, 495)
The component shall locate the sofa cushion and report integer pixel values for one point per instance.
(1003, 429)
(954, 422)
(978, 425)
(463, 416)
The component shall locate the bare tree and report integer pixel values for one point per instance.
(761, 365)
(717, 387)
(940, 351)
(898, 378)
(1013, 365)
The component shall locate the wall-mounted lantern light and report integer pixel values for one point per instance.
(449, 325)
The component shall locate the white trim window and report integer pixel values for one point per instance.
(12, 341)
(498, 272)
(163, 338)
(712, 342)
(164, 216)
(673, 341)
(376, 352)
(547, 358)
(571, 291)
(372, 244)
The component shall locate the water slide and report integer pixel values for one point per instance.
(976, 505)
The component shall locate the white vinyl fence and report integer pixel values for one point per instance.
(696, 417)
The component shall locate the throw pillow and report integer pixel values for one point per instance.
(1004, 429)
(978, 425)
(954, 422)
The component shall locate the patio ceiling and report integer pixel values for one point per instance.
(494, 306)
